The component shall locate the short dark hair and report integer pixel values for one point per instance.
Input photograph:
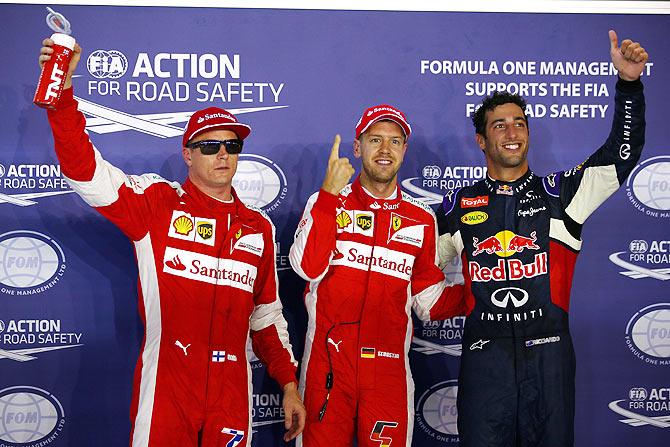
(491, 102)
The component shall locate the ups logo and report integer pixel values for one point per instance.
(205, 230)
(364, 222)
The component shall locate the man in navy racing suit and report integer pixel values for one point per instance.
(518, 236)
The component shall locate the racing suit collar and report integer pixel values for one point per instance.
(372, 202)
(509, 188)
(235, 207)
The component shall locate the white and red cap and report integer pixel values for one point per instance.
(213, 118)
(382, 112)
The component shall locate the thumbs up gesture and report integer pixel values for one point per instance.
(629, 59)
(339, 170)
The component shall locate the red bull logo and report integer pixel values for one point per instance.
(505, 190)
(509, 269)
(489, 245)
(505, 243)
(519, 243)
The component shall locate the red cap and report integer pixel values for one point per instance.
(213, 118)
(382, 112)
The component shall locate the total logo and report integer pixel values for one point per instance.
(22, 183)
(31, 416)
(648, 187)
(260, 182)
(644, 259)
(34, 336)
(435, 181)
(648, 334)
(505, 243)
(437, 414)
(644, 407)
(30, 262)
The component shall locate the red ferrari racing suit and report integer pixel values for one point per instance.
(206, 278)
(368, 262)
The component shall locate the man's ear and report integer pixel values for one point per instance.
(357, 148)
(481, 141)
(186, 155)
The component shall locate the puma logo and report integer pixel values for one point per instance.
(184, 348)
(337, 345)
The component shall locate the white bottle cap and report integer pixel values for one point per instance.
(63, 40)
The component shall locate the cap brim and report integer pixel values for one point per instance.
(390, 117)
(241, 130)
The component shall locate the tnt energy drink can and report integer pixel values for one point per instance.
(52, 79)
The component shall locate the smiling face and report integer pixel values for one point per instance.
(505, 143)
(381, 149)
(212, 174)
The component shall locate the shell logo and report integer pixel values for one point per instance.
(343, 220)
(183, 225)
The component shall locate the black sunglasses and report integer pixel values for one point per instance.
(211, 147)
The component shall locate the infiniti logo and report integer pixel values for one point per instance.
(502, 297)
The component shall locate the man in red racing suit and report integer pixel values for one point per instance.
(207, 281)
(368, 251)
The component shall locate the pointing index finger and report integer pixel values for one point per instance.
(335, 151)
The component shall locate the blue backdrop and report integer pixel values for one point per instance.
(69, 330)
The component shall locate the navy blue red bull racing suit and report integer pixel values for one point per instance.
(518, 242)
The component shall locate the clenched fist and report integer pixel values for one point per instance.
(45, 55)
(339, 170)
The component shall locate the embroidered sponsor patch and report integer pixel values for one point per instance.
(208, 269)
(405, 230)
(474, 217)
(251, 243)
(542, 341)
(195, 229)
(474, 202)
(381, 260)
(368, 353)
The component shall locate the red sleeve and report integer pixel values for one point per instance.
(316, 236)
(269, 330)
(125, 200)
(432, 298)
